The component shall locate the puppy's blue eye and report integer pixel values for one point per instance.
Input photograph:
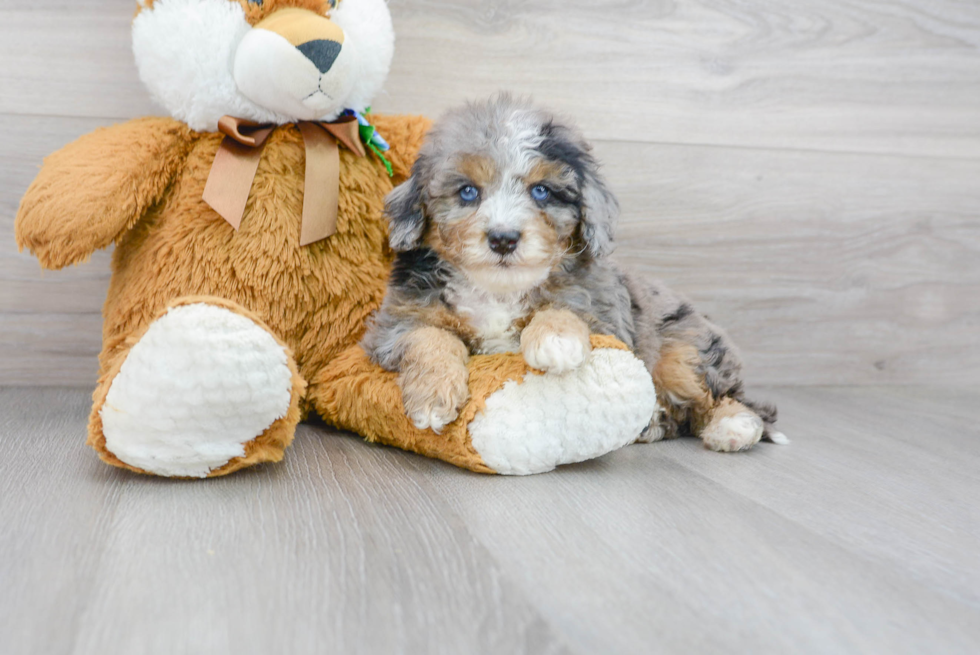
(540, 192)
(469, 193)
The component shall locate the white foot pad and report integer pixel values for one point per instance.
(201, 383)
(733, 433)
(550, 420)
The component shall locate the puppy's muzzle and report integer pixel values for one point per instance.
(503, 242)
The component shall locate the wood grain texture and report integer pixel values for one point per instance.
(50, 321)
(849, 75)
(826, 268)
(82, 49)
(50, 348)
(862, 536)
(806, 172)
(842, 75)
(336, 551)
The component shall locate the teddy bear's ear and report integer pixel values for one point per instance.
(406, 214)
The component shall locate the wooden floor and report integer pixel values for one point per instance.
(808, 171)
(862, 536)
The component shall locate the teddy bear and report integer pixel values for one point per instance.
(251, 247)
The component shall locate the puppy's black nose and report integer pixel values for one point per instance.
(503, 243)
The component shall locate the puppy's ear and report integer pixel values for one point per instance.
(600, 210)
(406, 216)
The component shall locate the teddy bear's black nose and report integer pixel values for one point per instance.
(503, 243)
(322, 52)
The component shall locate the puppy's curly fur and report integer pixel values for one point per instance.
(503, 234)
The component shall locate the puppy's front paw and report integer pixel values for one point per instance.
(433, 396)
(732, 433)
(555, 341)
(556, 353)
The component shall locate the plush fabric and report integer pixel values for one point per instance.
(210, 334)
(93, 190)
(185, 64)
(230, 397)
(549, 421)
(139, 184)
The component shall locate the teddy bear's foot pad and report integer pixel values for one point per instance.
(548, 420)
(202, 382)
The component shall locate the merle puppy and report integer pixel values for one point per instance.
(503, 233)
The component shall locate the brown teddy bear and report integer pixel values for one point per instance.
(251, 248)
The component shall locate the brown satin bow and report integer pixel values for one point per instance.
(237, 160)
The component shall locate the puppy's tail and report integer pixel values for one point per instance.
(767, 412)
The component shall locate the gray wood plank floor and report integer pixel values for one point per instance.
(862, 536)
(807, 171)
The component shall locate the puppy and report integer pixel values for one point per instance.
(502, 235)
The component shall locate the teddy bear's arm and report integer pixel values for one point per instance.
(405, 135)
(93, 190)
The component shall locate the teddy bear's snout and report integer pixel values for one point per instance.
(295, 62)
(317, 37)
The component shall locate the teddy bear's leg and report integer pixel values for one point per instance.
(205, 390)
(517, 421)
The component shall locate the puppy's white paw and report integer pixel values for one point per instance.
(556, 341)
(556, 353)
(432, 398)
(733, 433)
(434, 418)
